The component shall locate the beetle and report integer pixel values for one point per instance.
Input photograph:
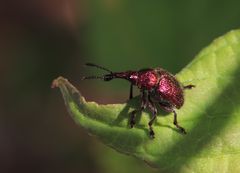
(157, 86)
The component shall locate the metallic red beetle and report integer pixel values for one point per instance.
(157, 86)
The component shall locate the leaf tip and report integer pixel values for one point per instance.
(57, 82)
(67, 88)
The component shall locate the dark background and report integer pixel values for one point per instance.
(42, 39)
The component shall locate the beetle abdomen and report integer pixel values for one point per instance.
(170, 90)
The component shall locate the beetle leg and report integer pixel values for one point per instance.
(168, 108)
(175, 122)
(153, 110)
(143, 106)
(131, 92)
(132, 118)
(189, 86)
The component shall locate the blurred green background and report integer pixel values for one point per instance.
(42, 39)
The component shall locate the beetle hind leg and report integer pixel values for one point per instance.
(189, 86)
(168, 108)
(175, 122)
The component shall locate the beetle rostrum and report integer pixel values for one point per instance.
(157, 86)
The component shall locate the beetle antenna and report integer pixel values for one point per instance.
(97, 66)
(92, 77)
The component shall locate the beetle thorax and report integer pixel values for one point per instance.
(144, 79)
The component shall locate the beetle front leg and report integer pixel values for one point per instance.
(143, 106)
(131, 92)
(175, 122)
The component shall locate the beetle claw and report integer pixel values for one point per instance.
(182, 130)
(152, 134)
(132, 123)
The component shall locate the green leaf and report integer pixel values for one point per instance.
(211, 116)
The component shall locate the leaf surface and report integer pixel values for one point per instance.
(211, 116)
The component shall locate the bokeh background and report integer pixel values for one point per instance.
(42, 39)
